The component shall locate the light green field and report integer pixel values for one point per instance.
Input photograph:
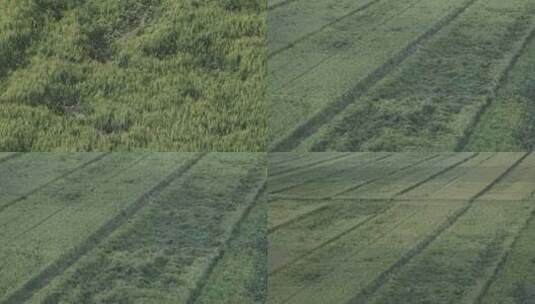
(400, 76)
(133, 228)
(151, 75)
(447, 228)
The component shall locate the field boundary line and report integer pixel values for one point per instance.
(289, 158)
(369, 243)
(290, 171)
(388, 205)
(86, 191)
(43, 186)
(303, 74)
(505, 256)
(314, 123)
(454, 179)
(58, 267)
(353, 188)
(250, 201)
(323, 27)
(396, 199)
(323, 176)
(318, 209)
(337, 53)
(282, 3)
(378, 282)
(60, 209)
(429, 178)
(498, 84)
(10, 156)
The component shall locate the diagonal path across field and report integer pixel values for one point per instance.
(402, 76)
(444, 234)
(175, 223)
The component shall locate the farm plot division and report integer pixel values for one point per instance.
(132, 228)
(401, 228)
(157, 75)
(385, 75)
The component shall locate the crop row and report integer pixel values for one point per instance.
(445, 235)
(325, 72)
(387, 78)
(166, 220)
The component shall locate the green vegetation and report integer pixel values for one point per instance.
(407, 228)
(402, 76)
(134, 228)
(509, 122)
(148, 75)
(430, 101)
(307, 18)
(319, 74)
(241, 275)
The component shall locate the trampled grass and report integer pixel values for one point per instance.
(310, 78)
(134, 228)
(432, 100)
(401, 76)
(509, 122)
(450, 228)
(157, 75)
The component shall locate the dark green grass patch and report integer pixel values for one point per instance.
(430, 101)
(133, 75)
(168, 252)
(509, 123)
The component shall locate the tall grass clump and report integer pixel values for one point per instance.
(136, 74)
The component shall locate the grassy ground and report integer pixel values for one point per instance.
(134, 228)
(447, 228)
(240, 275)
(431, 101)
(400, 76)
(132, 75)
(509, 122)
(314, 74)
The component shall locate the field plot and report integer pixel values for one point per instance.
(403, 228)
(123, 75)
(133, 228)
(390, 75)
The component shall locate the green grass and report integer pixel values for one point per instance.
(241, 276)
(43, 168)
(288, 244)
(440, 231)
(392, 183)
(135, 228)
(432, 99)
(354, 176)
(514, 283)
(461, 261)
(56, 220)
(284, 166)
(453, 268)
(508, 124)
(318, 71)
(295, 179)
(307, 17)
(132, 75)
